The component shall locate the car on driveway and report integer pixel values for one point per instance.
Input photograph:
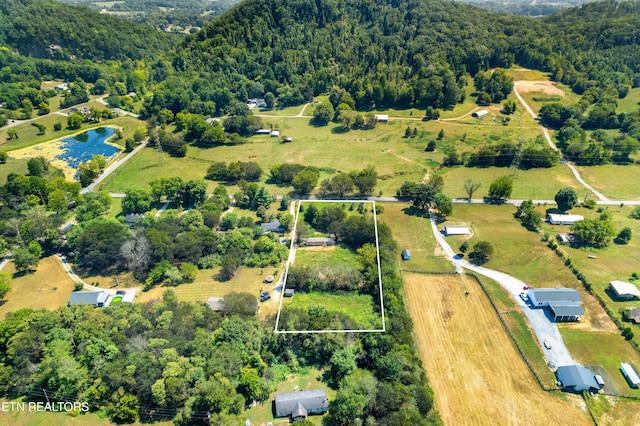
(526, 287)
(523, 296)
(547, 344)
(264, 296)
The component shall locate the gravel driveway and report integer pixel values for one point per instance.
(543, 328)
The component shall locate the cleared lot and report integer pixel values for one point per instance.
(476, 373)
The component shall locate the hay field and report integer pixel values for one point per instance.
(476, 373)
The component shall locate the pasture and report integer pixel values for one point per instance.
(49, 287)
(474, 369)
(614, 181)
(13, 165)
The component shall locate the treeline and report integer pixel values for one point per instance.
(48, 29)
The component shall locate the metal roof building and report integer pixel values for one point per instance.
(95, 298)
(456, 230)
(563, 219)
(480, 113)
(320, 241)
(565, 303)
(624, 290)
(298, 405)
(629, 373)
(272, 226)
(406, 255)
(577, 378)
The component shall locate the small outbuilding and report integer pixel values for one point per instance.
(480, 113)
(298, 405)
(563, 219)
(275, 134)
(577, 378)
(287, 140)
(406, 255)
(289, 292)
(95, 298)
(634, 315)
(263, 132)
(269, 279)
(61, 87)
(382, 118)
(630, 374)
(455, 230)
(624, 290)
(131, 219)
(320, 241)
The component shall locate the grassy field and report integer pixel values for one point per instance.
(413, 232)
(614, 181)
(307, 379)
(603, 352)
(357, 306)
(13, 165)
(526, 184)
(474, 369)
(49, 287)
(611, 410)
(629, 103)
(327, 256)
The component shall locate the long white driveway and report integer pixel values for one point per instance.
(544, 329)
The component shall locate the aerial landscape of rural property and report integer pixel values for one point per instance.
(321, 212)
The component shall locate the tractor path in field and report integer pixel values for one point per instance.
(543, 328)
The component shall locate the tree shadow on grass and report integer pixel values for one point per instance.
(414, 211)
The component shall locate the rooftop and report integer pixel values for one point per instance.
(622, 288)
(96, 298)
(550, 295)
(577, 376)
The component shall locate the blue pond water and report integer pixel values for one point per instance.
(82, 147)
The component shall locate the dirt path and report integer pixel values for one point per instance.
(477, 375)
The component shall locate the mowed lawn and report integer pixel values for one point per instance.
(357, 306)
(13, 165)
(473, 367)
(326, 256)
(49, 287)
(412, 231)
(534, 184)
(614, 181)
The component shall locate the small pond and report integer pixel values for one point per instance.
(83, 147)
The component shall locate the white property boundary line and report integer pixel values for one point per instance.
(286, 271)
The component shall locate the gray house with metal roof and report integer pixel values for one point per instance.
(298, 405)
(577, 378)
(95, 298)
(564, 303)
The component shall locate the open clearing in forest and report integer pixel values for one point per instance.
(476, 373)
(541, 86)
(49, 287)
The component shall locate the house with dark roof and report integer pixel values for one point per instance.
(131, 218)
(577, 378)
(272, 226)
(298, 405)
(564, 303)
(95, 298)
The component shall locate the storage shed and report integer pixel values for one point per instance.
(275, 134)
(624, 290)
(563, 219)
(480, 113)
(289, 292)
(629, 373)
(95, 298)
(298, 405)
(456, 230)
(320, 241)
(406, 255)
(382, 118)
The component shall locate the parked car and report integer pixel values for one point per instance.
(264, 296)
(526, 287)
(523, 296)
(547, 344)
(120, 293)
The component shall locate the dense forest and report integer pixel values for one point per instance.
(49, 29)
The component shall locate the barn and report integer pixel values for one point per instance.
(382, 118)
(298, 405)
(577, 378)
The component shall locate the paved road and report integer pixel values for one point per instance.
(553, 146)
(544, 329)
(112, 168)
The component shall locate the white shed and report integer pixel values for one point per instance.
(629, 373)
(480, 113)
(382, 118)
(275, 134)
(456, 230)
(563, 219)
(624, 290)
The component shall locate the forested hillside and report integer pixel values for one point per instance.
(48, 29)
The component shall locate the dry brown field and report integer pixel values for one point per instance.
(476, 373)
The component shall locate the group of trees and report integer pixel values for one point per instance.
(364, 181)
(427, 195)
(534, 155)
(249, 171)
